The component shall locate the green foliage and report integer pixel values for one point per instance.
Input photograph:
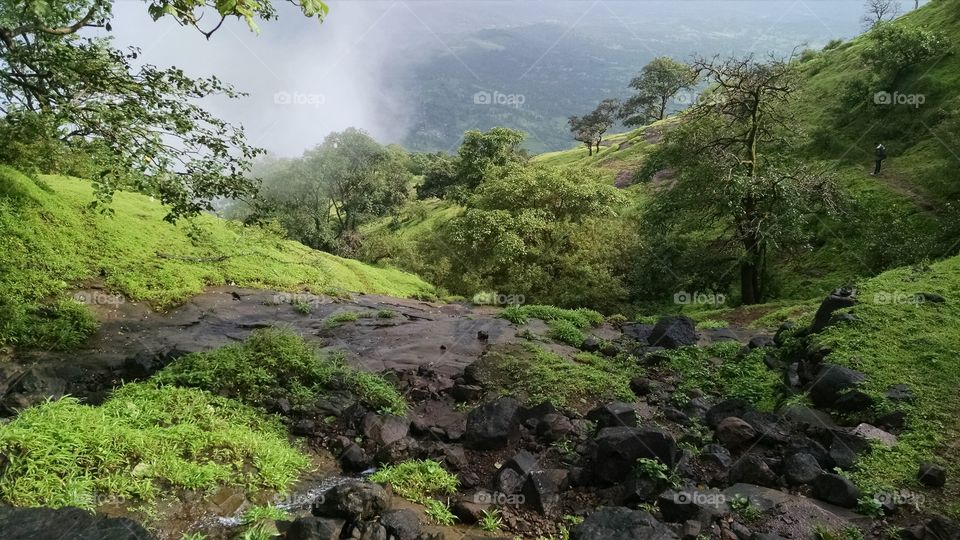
(536, 375)
(160, 438)
(490, 520)
(850, 532)
(655, 470)
(580, 317)
(744, 509)
(895, 47)
(49, 239)
(386, 314)
(259, 514)
(870, 506)
(722, 369)
(340, 318)
(420, 481)
(273, 364)
(659, 81)
(566, 332)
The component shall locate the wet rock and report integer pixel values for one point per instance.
(72, 523)
(353, 500)
(733, 433)
(838, 299)
(542, 490)
(732, 407)
(315, 528)
(354, 459)
(402, 524)
(638, 331)
(493, 425)
(801, 468)
(384, 430)
(874, 434)
(836, 489)
(836, 387)
(617, 450)
(752, 469)
(680, 505)
(673, 332)
(618, 523)
(759, 342)
(932, 475)
(614, 414)
(554, 427)
(640, 386)
(466, 392)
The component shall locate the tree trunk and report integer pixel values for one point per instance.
(589, 148)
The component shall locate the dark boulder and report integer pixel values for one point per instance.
(554, 427)
(315, 528)
(801, 468)
(733, 433)
(681, 505)
(402, 524)
(836, 489)
(493, 425)
(617, 449)
(638, 331)
(542, 490)
(932, 475)
(673, 332)
(836, 387)
(353, 500)
(752, 469)
(838, 299)
(618, 523)
(731, 407)
(386, 429)
(759, 342)
(72, 523)
(355, 459)
(614, 414)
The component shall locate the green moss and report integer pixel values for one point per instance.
(51, 239)
(580, 318)
(273, 364)
(340, 318)
(723, 370)
(142, 442)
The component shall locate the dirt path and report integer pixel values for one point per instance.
(909, 190)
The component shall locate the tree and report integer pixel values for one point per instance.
(144, 122)
(727, 175)
(894, 48)
(480, 155)
(880, 11)
(590, 129)
(659, 81)
(324, 197)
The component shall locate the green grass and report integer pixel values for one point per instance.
(580, 318)
(731, 375)
(566, 332)
(535, 375)
(421, 481)
(897, 341)
(275, 363)
(340, 318)
(143, 442)
(50, 240)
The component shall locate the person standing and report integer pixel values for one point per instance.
(880, 153)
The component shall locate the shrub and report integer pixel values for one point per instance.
(894, 47)
(580, 318)
(420, 481)
(566, 332)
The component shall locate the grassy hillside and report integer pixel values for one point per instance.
(50, 240)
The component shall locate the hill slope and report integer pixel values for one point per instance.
(51, 239)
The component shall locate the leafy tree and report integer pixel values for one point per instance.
(659, 81)
(480, 155)
(80, 94)
(323, 197)
(542, 232)
(590, 129)
(879, 11)
(894, 48)
(728, 178)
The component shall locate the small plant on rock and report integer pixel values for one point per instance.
(491, 521)
(745, 509)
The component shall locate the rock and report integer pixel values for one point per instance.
(66, 523)
(591, 344)
(716, 455)
(512, 475)
(839, 299)
(732, 407)
(542, 490)
(799, 514)
(759, 342)
(638, 331)
(836, 387)
(734, 433)
(315, 528)
(781, 336)
(469, 510)
(353, 500)
(554, 427)
(875, 434)
(32, 387)
(678, 506)
(900, 393)
(769, 427)
(384, 430)
(466, 392)
(641, 488)
(402, 524)
(354, 459)
(617, 449)
(932, 475)
(304, 428)
(405, 448)
(483, 335)
(614, 414)
(801, 468)
(493, 425)
(893, 420)
(640, 386)
(941, 528)
(836, 489)
(673, 332)
(805, 417)
(676, 415)
(845, 448)
(752, 469)
(369, 530)
(618, 523)
(933, 298)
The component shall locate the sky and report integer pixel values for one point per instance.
(306, 79)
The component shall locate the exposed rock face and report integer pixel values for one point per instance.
(618, 523)
(72, 523)
(838, 299)
(493, 425)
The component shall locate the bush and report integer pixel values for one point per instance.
(143, 441)
(580, 318)
(273, 364)
(420, 481)
(566, 332)
(894, 47)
